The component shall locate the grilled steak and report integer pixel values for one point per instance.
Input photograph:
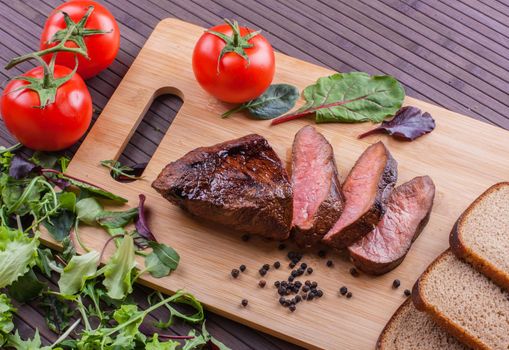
(317, 199)
(366, 191)
(239, 183)
(408, 211)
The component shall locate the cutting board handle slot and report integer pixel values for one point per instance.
(152, 128)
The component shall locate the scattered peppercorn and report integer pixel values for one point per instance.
(291, 265)
(407, 292)
(282, 246)
(349, 295)
(303, 266)
(313, 285)
(343, 290)
(242, 268)
(246, 237)
(281, 291)
(294, 273)
(277, 265)
(354, 272)
(309, 270)
(244, 302)
(292, 308)
(284, 283)
(329, 263)
(396, 283)
(262, 272)
(235, 273)
(304, 296)
(298, 284)
(298, 298)
(277, 284)
(266, 266)
(305, 288)
(262, 283)
(290, 278)
(311, 296)
(322, 253)
(307, 283)
(282, 300)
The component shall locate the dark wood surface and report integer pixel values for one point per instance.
(453, 53)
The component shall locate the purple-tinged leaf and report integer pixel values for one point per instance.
(408, 124)
(141, 221)
(21, 167)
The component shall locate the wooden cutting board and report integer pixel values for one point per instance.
(463, 156)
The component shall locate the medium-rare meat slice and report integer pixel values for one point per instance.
(408, 211)
(366, 191)
(239, 183)
(317, 199)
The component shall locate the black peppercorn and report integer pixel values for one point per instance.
(281, 291)
(294, 273)
(304, 296)
(235, 273)
(242, 268)
(303, 266)
(298, 284)
(295, 289)
(297, 299)
(305, 288)
(290, 278)
(244, 302)
(288, 291)
(309, 270)
(343, 290)
(262, 272)
(349, 295)
(396, 283)
(277, 265)
(282, 300)
(311, 296)
(281, 246)
(284, 283)
(407, 292)
(322, 253)
(300, 272)
(313, 285)
(262, 283)
(266, 266)
(246, 237)
(329, 263)
(277, 284)
(291, 265)
(292, 308)
(319, 293)
(307, 283)
(290, 255)
(354, 272)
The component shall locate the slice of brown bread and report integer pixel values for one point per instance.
(465, 302)
(481, 234)
(410, 329)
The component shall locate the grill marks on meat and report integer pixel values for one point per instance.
(239, 183)
(317, 198)
(408, 211)
(366, 191)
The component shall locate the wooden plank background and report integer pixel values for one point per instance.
(453, 53)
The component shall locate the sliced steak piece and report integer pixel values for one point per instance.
(407, 214)
(317, 199)
(366, 191)
(239, 183)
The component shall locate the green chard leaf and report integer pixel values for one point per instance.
(118, 270)
(275, 101)
(6, 314)
(26, 288)
(18, 253)
(373, 98)
(79, 269)
(162, 261)
(350, 98)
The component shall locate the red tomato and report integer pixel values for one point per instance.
(56, 126)
(234, 79)
(102, 48)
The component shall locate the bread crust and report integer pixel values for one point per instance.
(388, 327)
(422, 304)
(461, 250)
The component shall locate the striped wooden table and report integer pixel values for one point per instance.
(453, 53)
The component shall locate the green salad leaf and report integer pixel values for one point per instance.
(119, 268)
(79, 269)
(88, 209)
(6, 314)
(59, 226)
(18, 253)
(95, 190)
(162, 260)
(26, 288)
(154, 344)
